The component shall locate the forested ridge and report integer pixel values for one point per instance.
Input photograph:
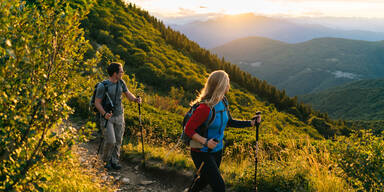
(364, 101)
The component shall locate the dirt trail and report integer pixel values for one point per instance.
(131, 177)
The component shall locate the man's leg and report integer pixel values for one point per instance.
(109, 139)
(119, 127)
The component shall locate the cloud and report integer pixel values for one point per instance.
(180, 20)
(184, 12)
(314, 13)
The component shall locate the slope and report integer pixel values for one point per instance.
(360, 100)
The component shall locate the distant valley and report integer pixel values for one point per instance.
(307, 67)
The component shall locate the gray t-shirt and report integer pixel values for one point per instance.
(122, 87)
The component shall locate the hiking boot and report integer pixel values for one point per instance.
(108, 166)
(116, 166)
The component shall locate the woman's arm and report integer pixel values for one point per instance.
(237, 123)
(199, 116)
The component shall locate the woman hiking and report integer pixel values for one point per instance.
(212, 100)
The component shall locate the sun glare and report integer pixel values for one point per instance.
(314, 8)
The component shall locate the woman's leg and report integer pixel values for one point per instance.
(201, 183)
(210, 172)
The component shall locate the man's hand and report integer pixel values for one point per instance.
(138, 99)
(107, 116)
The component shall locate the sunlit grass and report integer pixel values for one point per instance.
(173, 158)
(69, 175)
(309, 168)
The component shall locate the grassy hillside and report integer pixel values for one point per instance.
(306, 67)
(360, 100)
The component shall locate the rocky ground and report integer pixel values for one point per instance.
(131, 177)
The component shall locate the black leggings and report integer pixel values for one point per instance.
(210, 173)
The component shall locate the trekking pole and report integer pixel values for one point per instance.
(102, 137)
(105, 124)
(142, 137)
(257, 148)
(197, 176)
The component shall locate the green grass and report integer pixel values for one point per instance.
(69, 174)
(284, 165)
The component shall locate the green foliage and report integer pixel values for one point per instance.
(365, 100)
(323, 127)
(41, 57)
(377, 126)
(361, 158)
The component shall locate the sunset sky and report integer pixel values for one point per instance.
(313, 8)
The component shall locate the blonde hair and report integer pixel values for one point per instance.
(214, 88)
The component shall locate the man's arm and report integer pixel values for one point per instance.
(100, 108)
(131, 97)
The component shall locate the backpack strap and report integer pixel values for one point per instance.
(211, 117)
(105, 84)
(225, 101)
(208, 122)
(117, 86)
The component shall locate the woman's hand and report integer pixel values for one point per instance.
(211, 143)
(256, 118)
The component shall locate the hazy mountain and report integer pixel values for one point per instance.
(215, 32)
(345, 23)
(360, 100)
(306, 67)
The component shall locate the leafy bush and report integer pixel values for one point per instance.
(361, 157)
(41, 54)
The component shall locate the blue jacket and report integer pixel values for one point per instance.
(221, 121)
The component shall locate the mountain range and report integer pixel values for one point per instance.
(306, 67)
(221, 30)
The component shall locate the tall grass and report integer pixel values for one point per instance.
(301, 165)
(69, 174)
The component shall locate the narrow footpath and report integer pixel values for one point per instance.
(132, 176)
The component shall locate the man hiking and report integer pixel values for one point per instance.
(112, 118)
